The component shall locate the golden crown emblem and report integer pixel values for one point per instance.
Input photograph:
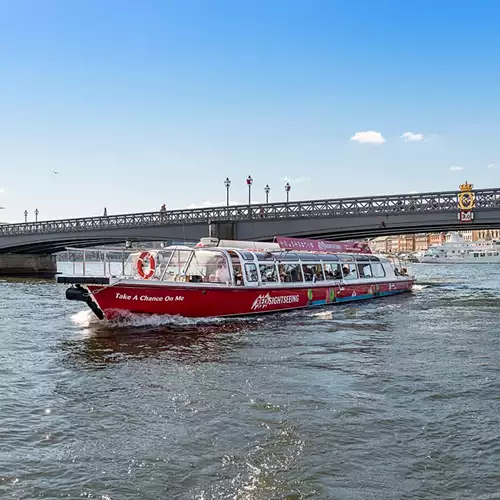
(466, 186)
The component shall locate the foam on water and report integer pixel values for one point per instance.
(86, 319)
(83, 318)
(419, 288)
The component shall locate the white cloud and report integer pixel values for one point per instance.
(368, 137)
(297, 180)
(411, 137)
(456, 168)
(493, 165)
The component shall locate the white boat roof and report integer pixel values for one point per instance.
(239, 244)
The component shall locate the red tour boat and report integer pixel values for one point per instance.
(237, 278)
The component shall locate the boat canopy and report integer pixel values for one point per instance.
(226, 263)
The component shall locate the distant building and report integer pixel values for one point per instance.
(486, 235)
(406, 243)
(421, 242)
(437, 238)
(381, 244)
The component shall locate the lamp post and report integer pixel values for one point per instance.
(25, 216)
(266, 190)
(36, 214)
(249, 183)
(227, 183)
(287, 189)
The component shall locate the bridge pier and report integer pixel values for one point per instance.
(28, 265)
(225, 230)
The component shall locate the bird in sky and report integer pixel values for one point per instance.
(57, 173)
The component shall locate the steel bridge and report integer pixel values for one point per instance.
(338, 219)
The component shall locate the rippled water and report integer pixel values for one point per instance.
(394, 398)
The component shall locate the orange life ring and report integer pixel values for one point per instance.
(140, 265)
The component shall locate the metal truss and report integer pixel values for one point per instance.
(345, 207)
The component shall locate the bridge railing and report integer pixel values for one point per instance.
(377, 205)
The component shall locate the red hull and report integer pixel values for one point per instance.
(210, 301)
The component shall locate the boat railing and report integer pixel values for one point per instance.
(107, 262)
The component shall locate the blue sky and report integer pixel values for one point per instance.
(136, 104)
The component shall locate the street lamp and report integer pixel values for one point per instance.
(36, 215)
(25, 216)
(249, 183)
(266, 190)
(287, 189)
(227, 183)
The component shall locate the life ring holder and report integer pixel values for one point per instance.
(140, 265)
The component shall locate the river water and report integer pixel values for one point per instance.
(397, 398)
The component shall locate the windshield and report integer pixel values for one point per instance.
(208, 266)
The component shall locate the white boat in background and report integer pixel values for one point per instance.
(459, 251)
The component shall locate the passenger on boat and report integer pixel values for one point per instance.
(222, 272)
(308, 274)
(284, 275)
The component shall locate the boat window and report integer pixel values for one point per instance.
(307, 271)
(364, 270)
(247, 255)
(346, 258)
(287, 256)
(162, 259)
(378, 270)
(251, 272)
(312, 272)
(362, 257)
(268, 272)
(264, 256)
(237, 268)
(290, 273)
(329, 257)
(308, 257)
(350, 272)
(208, 266)
(177, 263)
(332, 271)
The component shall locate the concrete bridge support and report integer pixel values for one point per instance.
(225, 230)
(28, 265)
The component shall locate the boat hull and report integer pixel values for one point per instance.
(123, 299)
